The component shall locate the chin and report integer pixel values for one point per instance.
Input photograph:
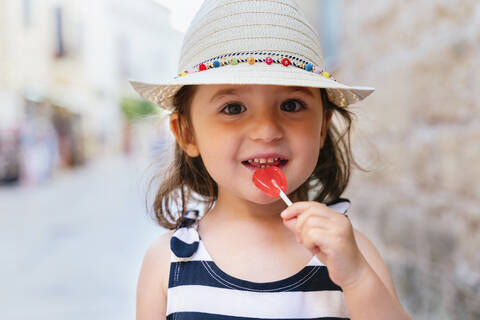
(263, 199)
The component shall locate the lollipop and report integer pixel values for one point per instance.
(272, 182)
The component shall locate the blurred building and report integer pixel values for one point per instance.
(420, 201)
(64, 66)
(325, 16)
(418, 135)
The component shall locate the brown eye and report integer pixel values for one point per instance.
(233, 108)
(292, 105)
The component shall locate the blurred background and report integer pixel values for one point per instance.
(78, 147)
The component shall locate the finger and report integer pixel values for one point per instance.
(298, 207)
(295, 209)
(321, 255)
(314, 239)
(309, 219)
(313, 222)
(290, 224)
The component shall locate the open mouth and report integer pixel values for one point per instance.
(260, 163)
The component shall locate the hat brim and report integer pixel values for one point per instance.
(161, 93)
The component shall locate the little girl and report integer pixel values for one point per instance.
(252, 92)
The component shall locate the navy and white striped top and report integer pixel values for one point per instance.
(198, 289)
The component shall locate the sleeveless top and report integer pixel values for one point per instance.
(199, 290)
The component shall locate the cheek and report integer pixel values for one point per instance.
(310, 135)
(217, 149)
(312, 151)
(309, 146)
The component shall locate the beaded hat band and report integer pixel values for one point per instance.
(267, 42)
(256, 57)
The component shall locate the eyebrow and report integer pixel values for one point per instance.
(303, 90)
(232, 91)
(223, 92)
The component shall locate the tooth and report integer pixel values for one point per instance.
(263, 160)
(270, 160)
(256, 160)
(263, 166)
(276, 159)
(250, 161)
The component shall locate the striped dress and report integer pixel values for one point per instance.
(198, 289)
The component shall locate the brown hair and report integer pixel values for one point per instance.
(187, 179)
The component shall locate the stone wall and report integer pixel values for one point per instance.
(419, 134)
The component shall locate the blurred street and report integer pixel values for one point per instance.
(77, 143)
(72, 247)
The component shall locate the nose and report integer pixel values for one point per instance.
(265, 127)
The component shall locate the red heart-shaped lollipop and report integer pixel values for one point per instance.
(268, 179)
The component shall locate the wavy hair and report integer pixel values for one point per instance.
(186, 179)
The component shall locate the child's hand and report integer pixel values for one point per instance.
(329, 235)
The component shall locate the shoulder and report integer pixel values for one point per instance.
(371, 254)
(158, 253)
(152, 283)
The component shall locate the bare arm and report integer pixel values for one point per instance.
(152, 283)
(373, 296)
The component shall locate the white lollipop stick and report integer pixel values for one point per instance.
(285, 198)
(282, 194)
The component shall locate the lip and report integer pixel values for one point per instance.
(265, 155)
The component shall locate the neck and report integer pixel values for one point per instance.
(229, 208)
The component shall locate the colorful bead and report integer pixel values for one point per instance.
(225, 60)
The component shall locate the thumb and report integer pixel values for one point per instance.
(295, 209)
(290, 224)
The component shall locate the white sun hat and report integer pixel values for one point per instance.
(265, 42)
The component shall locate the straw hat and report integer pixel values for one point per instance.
(251, 42)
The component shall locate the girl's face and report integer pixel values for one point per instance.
(238, 128)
